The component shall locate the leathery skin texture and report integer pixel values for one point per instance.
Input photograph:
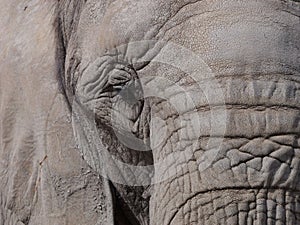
(79, 78)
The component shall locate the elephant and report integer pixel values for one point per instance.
(149, 112)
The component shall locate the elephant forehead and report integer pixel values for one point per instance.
(206, 28)
(103, 26)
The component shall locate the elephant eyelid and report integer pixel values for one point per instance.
(127, 68)
(118, 87)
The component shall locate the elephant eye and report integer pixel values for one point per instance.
(130, 93)
(118, 88)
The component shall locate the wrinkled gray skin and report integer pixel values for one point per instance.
(64, 58)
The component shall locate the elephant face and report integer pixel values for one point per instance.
(253, 162)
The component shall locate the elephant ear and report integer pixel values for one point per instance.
(85, 134)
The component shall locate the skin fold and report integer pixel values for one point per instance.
(107, 134)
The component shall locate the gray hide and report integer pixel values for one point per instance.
(161, 112)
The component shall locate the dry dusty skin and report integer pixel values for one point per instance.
(210, 86)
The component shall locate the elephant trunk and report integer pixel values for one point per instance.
(240, 206)
(241, 178)
(242, 167)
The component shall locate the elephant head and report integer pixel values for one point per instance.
(189, 111)
(230, 157)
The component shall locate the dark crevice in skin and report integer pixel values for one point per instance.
(68, 14)
(237, 106)
(60, 57)
(247, 137)
(291, 76)
(128, 200)
(225, 189)
(122, 213)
